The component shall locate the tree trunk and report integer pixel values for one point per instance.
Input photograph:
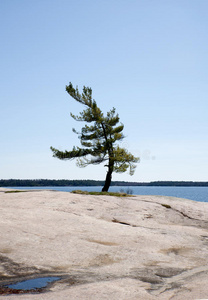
(107, 181)
(109, 175)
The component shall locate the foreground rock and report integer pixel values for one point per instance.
(142, 247)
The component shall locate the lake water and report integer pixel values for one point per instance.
(192, 193)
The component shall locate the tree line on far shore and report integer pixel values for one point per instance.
(65, 182)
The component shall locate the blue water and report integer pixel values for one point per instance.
(192, 193)
(33, 283)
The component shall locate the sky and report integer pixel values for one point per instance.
(146, 58)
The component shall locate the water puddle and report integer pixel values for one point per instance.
(30, 285)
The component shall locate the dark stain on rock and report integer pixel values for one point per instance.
(12, 269)
(155, 276)
(168, 272)
(7, 291)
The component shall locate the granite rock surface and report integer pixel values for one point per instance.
(104, 247)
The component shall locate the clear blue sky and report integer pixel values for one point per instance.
(146, 58)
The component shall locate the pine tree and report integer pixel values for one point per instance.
(99, 139)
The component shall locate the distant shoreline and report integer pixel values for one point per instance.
(65, 182)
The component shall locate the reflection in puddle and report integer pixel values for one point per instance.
(35, 283)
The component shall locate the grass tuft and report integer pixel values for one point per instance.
(15, 191)
(101, 193)
(166, 205)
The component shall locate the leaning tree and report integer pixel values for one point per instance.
(99, 139)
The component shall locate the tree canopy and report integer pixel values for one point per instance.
(98, 139)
